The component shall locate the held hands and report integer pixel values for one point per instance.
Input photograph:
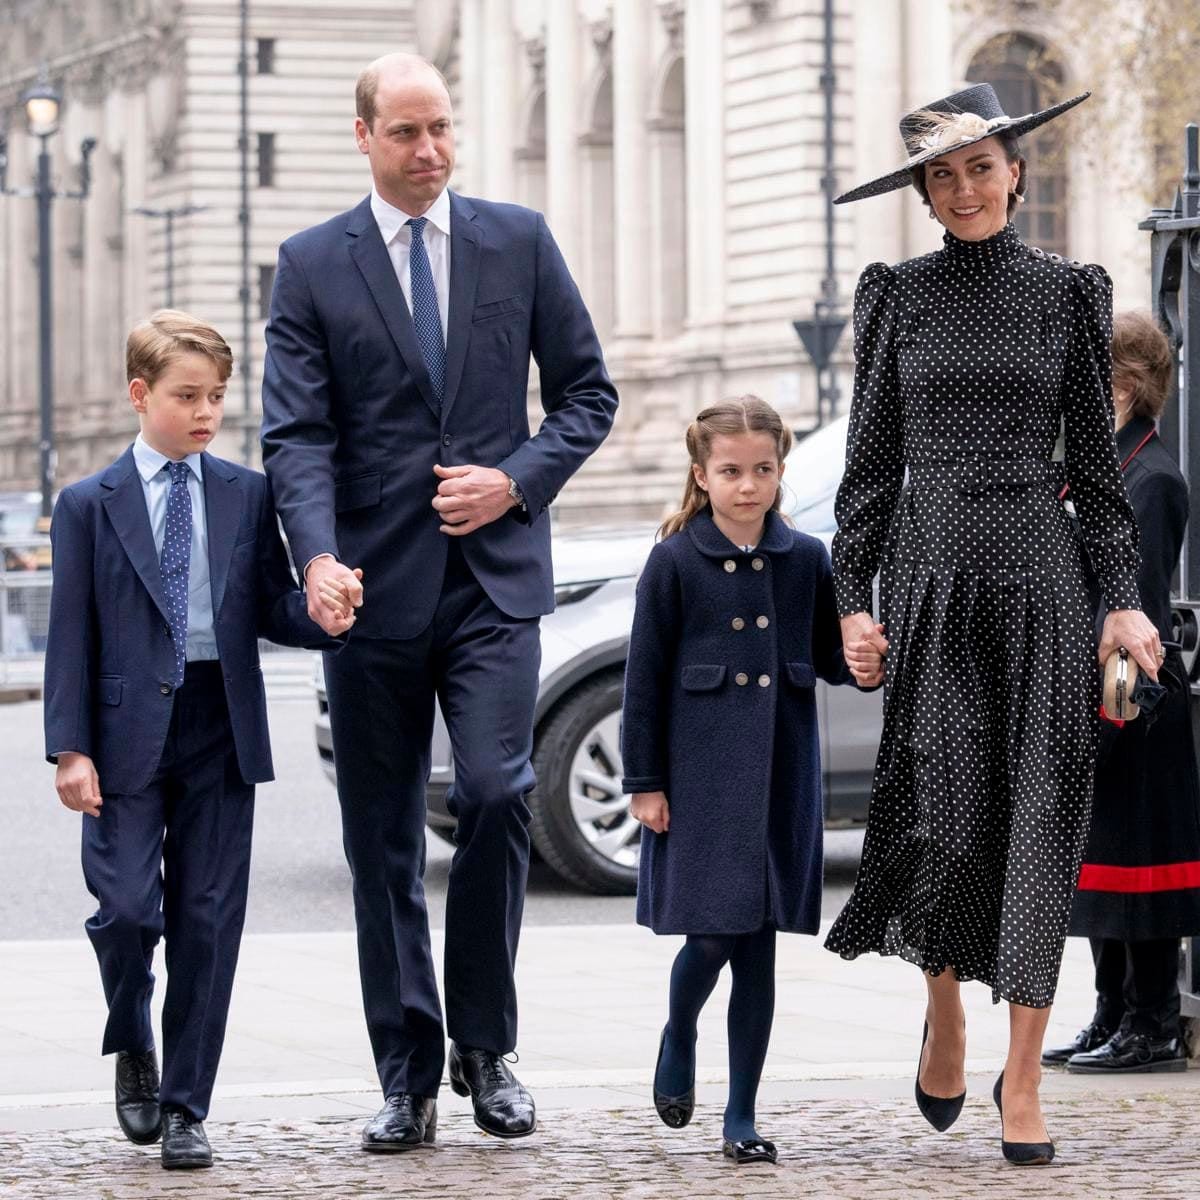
(865, 647)
(334, 592)
(469, 497)
(652, 810)
(1135, 631)
(77, 783)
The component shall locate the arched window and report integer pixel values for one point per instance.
(1027, 77)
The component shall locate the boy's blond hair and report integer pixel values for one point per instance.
(153, 344)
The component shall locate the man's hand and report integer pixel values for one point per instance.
(334, 592)
(865, 647)
(652, 810)
(470, 497)
(77, 783)
(1135, 631)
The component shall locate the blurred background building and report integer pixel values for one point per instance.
(677, 147)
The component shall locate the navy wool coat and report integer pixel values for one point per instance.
(720, 714)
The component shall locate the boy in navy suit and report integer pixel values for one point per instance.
(168, 567)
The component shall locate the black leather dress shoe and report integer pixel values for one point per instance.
(184, 1142)
(1090, 1038)
(503, 1107)
(753, 1150)
(674, 1111)
(1132, 1053)
(404, 1123)
(138, 1113)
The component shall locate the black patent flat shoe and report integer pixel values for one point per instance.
(1090, 1037)
(675, 1111)
(940, 1111)
(1021, 1154)
(752, 1150)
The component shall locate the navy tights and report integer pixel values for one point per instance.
(751, 957)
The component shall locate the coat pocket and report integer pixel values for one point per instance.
(360, 491)
(108, 689)
(801, 675)
(704, 677)
(495, 309)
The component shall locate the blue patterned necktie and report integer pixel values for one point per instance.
(175, 560)
(425, 313)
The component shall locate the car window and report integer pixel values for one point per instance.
(811, 478)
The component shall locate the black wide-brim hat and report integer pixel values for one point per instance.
(950, 124)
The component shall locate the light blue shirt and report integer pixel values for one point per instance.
(156, 486)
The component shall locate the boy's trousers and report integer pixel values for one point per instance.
(173, 861)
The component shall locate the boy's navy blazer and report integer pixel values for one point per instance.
(352, 429)
(110, 660)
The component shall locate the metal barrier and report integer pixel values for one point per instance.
(24, 609)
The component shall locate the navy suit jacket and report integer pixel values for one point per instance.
(110, 660)
(352, 430)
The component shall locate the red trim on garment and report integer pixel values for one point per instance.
(1066, 487)
(1168, 877)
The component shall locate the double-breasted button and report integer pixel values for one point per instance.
(741, 679)
(761, 622)
(764, 681)
(738, 623)
(165, 688)
(757, 563)
(730, 565)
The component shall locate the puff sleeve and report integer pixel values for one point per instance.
(1093, 465)
(870, 488)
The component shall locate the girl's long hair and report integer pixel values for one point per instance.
(746, 414)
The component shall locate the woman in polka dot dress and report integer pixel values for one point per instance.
(969, 362)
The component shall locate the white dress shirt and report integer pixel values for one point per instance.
(156, 486)
(397, 237)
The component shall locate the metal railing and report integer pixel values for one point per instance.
(24, 609)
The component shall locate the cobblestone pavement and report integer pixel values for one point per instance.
(1144, 1146)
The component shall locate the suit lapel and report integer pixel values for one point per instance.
(125, 504)
(464, 279)
(223, 518)
(371, 257)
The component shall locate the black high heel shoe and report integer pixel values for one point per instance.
(940, 1111)
(1021, 1154)
(675, 1111)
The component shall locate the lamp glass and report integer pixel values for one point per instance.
(42, 114)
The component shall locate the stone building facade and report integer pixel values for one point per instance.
(676, 147)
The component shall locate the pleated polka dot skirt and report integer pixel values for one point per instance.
(982, 787)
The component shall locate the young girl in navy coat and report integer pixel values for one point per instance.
(735, 621)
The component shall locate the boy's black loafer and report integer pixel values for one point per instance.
(752, 1150)
(138, 1113)
(1090, 1037)
(184, 1142)
(404, 1123)
(1127, 1052)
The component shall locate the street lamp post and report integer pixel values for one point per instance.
(42, 101)
(168, 215)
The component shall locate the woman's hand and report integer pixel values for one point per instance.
(652, 810)
(1135, 631)
(865, 647)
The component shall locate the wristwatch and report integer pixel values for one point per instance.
(514, 493)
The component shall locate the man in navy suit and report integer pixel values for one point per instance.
(168, 566)
(396, 436)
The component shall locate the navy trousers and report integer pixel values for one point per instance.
(173, 862)
(482, 666)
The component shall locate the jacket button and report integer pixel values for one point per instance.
(764, 681)
(165, 688)
(757, 563)
(738, 623)
(741, 679)
(761, 622)
(730, 565)
(446, 439)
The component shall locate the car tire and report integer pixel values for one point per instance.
(555, 830)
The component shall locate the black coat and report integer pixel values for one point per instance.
(720, 713)
(1141, 871)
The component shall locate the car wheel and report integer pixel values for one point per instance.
(581, 824)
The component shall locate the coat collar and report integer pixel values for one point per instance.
(1130, 435)
(776, 536)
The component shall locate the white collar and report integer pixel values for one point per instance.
(149, 461)
(391, 219)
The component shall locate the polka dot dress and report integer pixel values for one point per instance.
(968, 362)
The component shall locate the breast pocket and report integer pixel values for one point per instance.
(496, 310)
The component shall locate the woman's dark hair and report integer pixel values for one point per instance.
(1142, 362)
(1012, 152)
